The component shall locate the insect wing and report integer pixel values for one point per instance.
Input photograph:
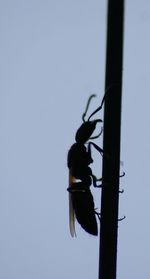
(71, 218)
(71, 209)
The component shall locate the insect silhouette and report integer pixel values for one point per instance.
(81, 202)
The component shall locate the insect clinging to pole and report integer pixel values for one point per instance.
(81, 203)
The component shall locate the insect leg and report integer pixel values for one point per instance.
(120, 219)
(95, 179)
(99, 149)
(122, 175)
(98, 215)
(122, 191)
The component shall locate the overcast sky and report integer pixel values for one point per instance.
(52, 57)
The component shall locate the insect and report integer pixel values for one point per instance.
(81, 203)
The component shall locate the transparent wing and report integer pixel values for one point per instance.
(71, 218)
(71, 210)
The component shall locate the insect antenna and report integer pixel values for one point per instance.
(95, 137)
(99, 108)
(87, 106)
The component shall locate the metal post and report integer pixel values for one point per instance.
(111, 144)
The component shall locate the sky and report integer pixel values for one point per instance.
(52, 57)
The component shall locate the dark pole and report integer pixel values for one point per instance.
(111, 144)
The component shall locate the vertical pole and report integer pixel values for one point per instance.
(111, 144)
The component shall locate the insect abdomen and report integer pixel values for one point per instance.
(83, 205)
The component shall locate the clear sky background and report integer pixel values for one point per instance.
(52, 57)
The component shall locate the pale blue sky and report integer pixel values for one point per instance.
(52, 57)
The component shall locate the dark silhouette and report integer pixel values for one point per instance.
(111, 143)
(81, 201)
